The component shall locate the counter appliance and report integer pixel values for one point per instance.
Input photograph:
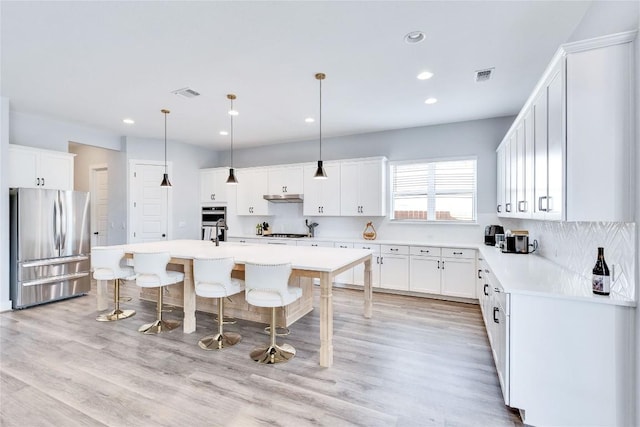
(490, 232)
(49, 245)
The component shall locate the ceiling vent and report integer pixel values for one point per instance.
(484, 75)
(186, 92)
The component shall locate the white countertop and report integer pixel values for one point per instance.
(300, 257)
(467, 245)
(534, 275)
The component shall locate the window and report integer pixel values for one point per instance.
(434, 191)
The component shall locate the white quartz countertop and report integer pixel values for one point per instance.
(466, 245)
(301, 258)
(534, 275)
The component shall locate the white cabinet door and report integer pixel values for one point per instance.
(555, 152)
(394, 272)
(458, 277)
(347, 276)
(358, 270)
(252, 186)
(424, 274)
(322, 196)
(36, 168)
(285, 180)
(500, 179)
(540, 154)
(363, 188)
(23, 168)
(213, 185)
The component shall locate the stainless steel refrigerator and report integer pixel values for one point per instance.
(49, 245)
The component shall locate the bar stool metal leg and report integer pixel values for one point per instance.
(116, 314)
(221, 339)
(273, 353)
(159, 325)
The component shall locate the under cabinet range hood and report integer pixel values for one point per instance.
(284, 198)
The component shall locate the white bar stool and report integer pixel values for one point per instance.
(212, 277)
(267, 285)
(151, 272)
(105, 263)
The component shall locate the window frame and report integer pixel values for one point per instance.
(432, 198)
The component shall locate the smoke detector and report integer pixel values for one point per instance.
(186, 92)
(484, 75)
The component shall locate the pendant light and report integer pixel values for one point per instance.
(320, 173)
(232, 177)
(165, 177)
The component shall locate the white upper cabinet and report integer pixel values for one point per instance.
(322, 196)
(252, 186)
(363, 190)
(285, 180)
(213, 185)
(35, 168)
(573, 157)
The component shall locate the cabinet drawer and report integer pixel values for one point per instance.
(458, 253)
(394, 249)
(374, 248)
(424, 251)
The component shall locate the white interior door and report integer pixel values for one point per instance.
(99, 206)
(150, 204)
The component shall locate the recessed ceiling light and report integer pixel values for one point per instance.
(309, 120)
(224, 132)
(430, 101)
(233, 112)
(128, 121)
(425, 75)
(414, 37)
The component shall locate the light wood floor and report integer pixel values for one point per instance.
(417, 362)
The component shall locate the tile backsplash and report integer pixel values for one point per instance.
(574, 245)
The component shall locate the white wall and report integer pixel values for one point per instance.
(43, 132)
(473, 138)
(187, 160)
(116, 161)
(5, 302)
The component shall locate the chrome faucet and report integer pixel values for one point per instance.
(311, 226)
(220, 223)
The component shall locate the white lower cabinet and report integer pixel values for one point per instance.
(459, 272)
(443, 271)
(347, 276)
(358, 270)
(394, 267)
(424, 269)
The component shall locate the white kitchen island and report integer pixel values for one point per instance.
(311, 262)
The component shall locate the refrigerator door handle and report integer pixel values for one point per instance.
(54, 279)
(56, 226)
(63, 226)
(55, 261)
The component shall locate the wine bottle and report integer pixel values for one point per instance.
(601, 281)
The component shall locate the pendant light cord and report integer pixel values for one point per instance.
(165, 142)
(231, 134)
(320, 117)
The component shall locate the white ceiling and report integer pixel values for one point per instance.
(96, 63)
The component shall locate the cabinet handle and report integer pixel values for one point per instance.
(43, 182)
(378, 260)
(314, 244)
(507, 207)
(496, 290)
(213, 196)
(37, 182)
(486, 286)
(486, 271)
(549, 200)
(443, 264)
(495, 310)
(520, 204)
(479, 275)
(321, 209)
(499, 208)
(381, 258)
(457, 253)
(540, 208)
(423, 251)
(343, 247)
(438, 264)
(394, 249)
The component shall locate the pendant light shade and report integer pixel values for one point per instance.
(232, 177)
(165, 178)
(320, 172)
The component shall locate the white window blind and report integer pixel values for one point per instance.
(434, 191)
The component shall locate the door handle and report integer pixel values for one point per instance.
(164, 235)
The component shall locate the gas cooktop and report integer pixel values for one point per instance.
(290, 235)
